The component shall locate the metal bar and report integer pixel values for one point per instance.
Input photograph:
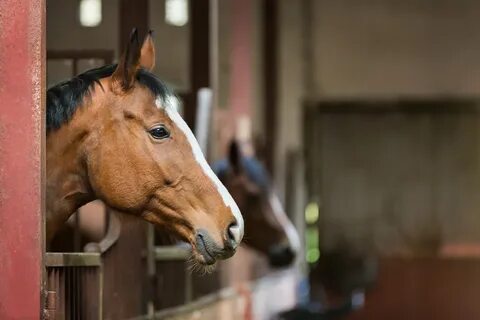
(100, 292)
(76, 232)
(61, 292)
(68, 293)
(169, 253)
(111, 237)
(22, 96)
(151, 271)
(74, 297)
(72, 259)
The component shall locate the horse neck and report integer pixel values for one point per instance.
(67, 182)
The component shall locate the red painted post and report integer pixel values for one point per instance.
(22, 96)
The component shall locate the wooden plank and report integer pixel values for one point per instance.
(125, 272)
(270, 74)
(133, 14)
(199, 57)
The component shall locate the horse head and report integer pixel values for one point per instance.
(267, 227)
(115, 134)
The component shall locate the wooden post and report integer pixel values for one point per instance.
(133, 14)
(199, 56)
(270, 36)
(22, 131)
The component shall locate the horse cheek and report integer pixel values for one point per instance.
(116, 180)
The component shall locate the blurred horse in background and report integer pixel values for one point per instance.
(267, 227)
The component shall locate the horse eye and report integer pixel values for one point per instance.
(159, 132)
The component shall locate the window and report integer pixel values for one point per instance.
(90, 13)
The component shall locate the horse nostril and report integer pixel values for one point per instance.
(233, 235)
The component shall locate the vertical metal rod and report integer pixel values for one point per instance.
(68, 304)
(202, 125)
(76, 232)
(63, 294)
(100, 293)
(78, 291)
(151, 271)
(71, 294)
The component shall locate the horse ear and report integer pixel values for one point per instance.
(147, 53)
(235, 157)
(124, 76)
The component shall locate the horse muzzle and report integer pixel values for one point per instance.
(210, 250)
(281, 256)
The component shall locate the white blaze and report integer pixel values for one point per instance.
(171, 110)
(290, 230)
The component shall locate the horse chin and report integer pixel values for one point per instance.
(201, 259)
(199, 264)
(201, 253)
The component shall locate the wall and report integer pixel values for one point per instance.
(240, 75)
(371, 49)
(290, 86)
(65, 32)
(397, 181)
(172, 47)
(377, 48)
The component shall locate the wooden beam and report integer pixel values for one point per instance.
(270, 75)
(22, 170)
(133, 14)
(199, 56)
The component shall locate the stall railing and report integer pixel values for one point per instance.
(74, 285)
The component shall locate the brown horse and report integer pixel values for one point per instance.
(114, 134)
(267, 227)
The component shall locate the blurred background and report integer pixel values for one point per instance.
(363, 112)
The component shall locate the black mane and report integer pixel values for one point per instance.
(64, 98)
